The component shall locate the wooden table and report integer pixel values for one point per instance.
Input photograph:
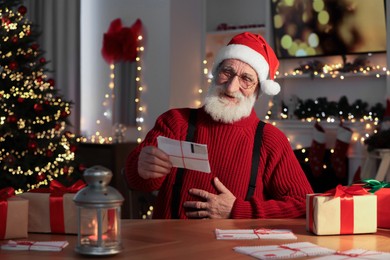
(195, 239)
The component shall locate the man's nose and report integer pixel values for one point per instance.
(233, 84)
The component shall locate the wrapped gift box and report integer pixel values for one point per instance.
(344, 210)
(382, 190)
(39, 217)
(52, 210)
(13, 216)
(383, 211)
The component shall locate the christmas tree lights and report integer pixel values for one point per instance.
(35, 148)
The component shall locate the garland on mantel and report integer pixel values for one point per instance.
(323, 109)
(315, 67)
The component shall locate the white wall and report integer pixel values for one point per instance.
(171, 61)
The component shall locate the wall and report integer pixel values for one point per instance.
(172, 63)
(169, 51)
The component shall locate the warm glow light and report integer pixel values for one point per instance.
(109, 99)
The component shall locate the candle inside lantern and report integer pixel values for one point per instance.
(95, 236)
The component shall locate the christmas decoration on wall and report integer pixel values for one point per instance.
(120, 43)
(122, 49)
(381, 139)
(317, 67)
(322, 109)
(35, 147)
(340, 150)
(317, 150)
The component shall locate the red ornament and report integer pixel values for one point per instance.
(38, 108)
(12, 119)
(65, 169)
(64, 114)
(22, 10)
(34, 46)
(73, 148)
(39, 79)
(82, 167)
(57, 126)
(13, 65)
(42, 60)
(32, 136)
(51, 82)
(15, 39)
(10, 160)
(32, 145)
(20, 100)
(49, 153)
(41, 177)
(5, 20)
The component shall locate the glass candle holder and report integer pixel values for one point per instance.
(98, 212)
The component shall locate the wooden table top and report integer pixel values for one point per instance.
(195, 239)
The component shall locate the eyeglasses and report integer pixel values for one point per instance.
(227, 74)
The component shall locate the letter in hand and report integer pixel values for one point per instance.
(153, 163)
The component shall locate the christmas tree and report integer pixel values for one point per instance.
(35, 145)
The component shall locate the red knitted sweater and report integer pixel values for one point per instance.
(281, 184)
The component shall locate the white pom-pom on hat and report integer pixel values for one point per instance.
(255, 51)
(270, 87)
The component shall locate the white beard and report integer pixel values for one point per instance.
(221, 109)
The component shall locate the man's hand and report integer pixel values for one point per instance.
(153, 163)
(214, 206)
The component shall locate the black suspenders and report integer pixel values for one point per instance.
(255, 159)
(179, 173)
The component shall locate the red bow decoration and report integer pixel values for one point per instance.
(343, 191)
(120, 43)
(6, 193)
(58, 188)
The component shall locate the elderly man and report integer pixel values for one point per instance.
(254, 172)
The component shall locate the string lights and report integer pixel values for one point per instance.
(34, 146)
(109, 99)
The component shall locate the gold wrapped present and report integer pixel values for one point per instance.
(52, 210)
(343, 210)
(13, 215)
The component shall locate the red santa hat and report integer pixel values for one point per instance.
(255, 51)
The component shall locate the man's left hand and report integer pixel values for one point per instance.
(213, 206)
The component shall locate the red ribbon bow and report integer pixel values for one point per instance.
(58, 188)
(6, 193)
(120, 43)
(346, 192)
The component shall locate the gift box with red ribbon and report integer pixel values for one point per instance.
(343, 210)
(13, 215)
(382, 191)
(52, 210)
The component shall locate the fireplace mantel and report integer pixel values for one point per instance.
(300, 134)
